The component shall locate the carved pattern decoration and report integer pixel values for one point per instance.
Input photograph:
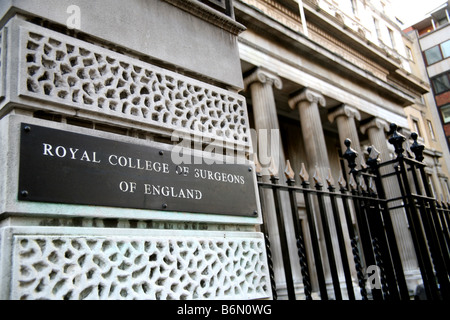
(81, 75)
(89, 267)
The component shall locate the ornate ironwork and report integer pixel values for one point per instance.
(373, 242)
(397, 140)
(417, 148)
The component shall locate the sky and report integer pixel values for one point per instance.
(410, 11)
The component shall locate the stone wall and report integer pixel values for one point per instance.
(99, 82)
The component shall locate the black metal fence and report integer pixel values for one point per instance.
(373, 242)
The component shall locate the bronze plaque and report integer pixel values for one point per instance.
(64, 167)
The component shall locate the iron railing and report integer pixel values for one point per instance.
(374, 241)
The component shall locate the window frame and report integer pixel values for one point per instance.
(392, 37)
(447, 105)
(431, 130)
(416, 126)
(376, 23)
(409, 53)
(442, 50)
(223, 6)
(354, 7)
(432, 80)
(441, 53)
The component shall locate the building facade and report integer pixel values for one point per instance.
(113, 87)
(423, 118)
(432, 34)
(95, 96)
(319, 72)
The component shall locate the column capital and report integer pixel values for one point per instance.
(263, 76)
(309, 95)
(375, 123)
(344, 110)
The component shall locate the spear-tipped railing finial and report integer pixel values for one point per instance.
(397, 140)
(417, 148)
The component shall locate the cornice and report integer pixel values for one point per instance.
(366, 47)
(210, 15)
(260, 22)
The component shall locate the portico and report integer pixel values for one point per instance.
(315, 103)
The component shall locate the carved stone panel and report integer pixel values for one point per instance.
(155, 264)
(77, 74)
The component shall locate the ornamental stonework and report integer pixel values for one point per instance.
(78, 74)
(138, 267)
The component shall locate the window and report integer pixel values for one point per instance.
(377, 27)
(409, 54)
(416, 126)
(430, 129)
(354, 7)
(445, 111)
(223, 6)
(433, 55)
(437, 53)
(442, 22)
(445, 46)
(441, 83)
(391, 36)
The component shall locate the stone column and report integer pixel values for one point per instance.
(345, 117)
(261, 84)
(308, 102)
(376, 130)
